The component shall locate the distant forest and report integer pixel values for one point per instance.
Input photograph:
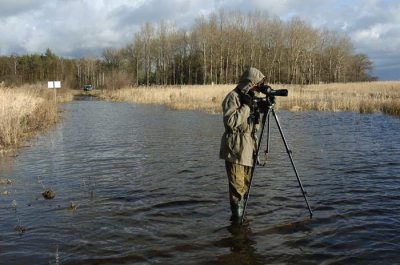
(216, 49)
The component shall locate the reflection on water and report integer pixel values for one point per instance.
(241, 245)
(148, 188)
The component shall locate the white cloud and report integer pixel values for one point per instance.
(371, 34)
(77, 27)
(16, 7)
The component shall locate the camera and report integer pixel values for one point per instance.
(267, 90)
(260, 104)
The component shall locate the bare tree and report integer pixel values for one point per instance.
(215, 49)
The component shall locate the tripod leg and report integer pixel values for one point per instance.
(255, 158)
(266, 152)
(289, 152)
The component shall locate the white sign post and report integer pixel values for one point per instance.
(54, 85)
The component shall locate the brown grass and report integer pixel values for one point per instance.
(364, 97)
(207, 98)
(367, 97)
(26, 110)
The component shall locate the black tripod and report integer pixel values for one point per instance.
(270, 102)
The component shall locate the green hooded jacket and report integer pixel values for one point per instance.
(239, 140)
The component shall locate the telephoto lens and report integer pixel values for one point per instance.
(267, 90)
(278, 92)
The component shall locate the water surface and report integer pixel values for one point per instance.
(150, 189)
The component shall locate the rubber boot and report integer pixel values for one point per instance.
(237, 211)
(240, 209)
(234, 210)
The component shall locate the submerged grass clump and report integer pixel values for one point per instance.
(365, 97)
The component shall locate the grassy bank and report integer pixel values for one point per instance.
(364, 97)
(207, 98)
(367, 97)
(26, 110)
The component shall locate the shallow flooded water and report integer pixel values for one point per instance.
(143, 185)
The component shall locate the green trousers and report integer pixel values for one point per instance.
(239, 181)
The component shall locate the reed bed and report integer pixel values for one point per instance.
(26, 110)
(196, 97)
(365, 97)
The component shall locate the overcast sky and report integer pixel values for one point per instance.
(76, 28)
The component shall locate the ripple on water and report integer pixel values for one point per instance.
(150, 189)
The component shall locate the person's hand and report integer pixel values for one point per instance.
(247, 99)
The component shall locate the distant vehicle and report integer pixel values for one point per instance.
(87, 87)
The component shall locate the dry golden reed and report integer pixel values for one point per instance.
(196, 97)
(26, 110)
(365, 97)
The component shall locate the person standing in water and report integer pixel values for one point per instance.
(239, 141)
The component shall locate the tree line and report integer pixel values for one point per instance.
(216, 49)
